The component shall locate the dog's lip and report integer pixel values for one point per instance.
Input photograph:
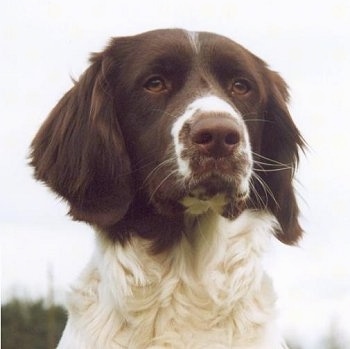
(211, 183)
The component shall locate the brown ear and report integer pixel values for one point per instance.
(280, 156)
(79, 152)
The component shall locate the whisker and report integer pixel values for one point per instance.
(259, 198)
(271, 161)
(265, 187)
(247, 118)
(157, 168)
(161, 183)
(141, 164)
(273, 164)
(271, 170)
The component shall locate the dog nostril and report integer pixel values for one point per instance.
(203, 138)
(232, 138)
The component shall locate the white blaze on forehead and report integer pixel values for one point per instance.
(193, 38)
(212, 104)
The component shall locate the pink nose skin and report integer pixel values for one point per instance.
(216, 137)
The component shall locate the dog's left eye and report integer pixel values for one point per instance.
(239, 87)
(156, 84)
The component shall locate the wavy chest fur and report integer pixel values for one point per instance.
(210, 291)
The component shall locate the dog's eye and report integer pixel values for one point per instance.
(156, 84)
(239, 87)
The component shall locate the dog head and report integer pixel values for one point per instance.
(169, 123)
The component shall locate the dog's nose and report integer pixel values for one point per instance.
(216, 137)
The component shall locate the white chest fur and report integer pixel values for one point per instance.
(210, 291)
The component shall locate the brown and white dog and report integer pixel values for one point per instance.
(179, 149)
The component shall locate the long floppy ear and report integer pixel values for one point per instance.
(280, 156)
(79, 152)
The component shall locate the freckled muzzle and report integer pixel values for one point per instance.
(213, 155)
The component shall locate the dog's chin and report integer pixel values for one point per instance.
(201, 194)
(215, 193)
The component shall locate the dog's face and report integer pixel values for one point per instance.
(186, 106)
(169, 122)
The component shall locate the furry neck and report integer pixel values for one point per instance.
(209, 288)
(213, 253)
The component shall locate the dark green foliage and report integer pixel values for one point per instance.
(31, 325)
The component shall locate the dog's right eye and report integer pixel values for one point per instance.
(156, 84)
(240, 87)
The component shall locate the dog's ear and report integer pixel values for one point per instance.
(79, 152)
(280, 156)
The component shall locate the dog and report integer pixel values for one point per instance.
(179, 149)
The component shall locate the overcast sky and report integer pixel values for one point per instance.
(45, 43)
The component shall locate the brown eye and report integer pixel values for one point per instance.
(239, 87)
(156, 84)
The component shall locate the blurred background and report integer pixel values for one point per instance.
(46, 43)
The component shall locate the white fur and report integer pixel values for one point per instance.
(195, 206)
(193, 38)
(210, 291)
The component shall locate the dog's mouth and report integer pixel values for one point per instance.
(221, 194)
(219, 186)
